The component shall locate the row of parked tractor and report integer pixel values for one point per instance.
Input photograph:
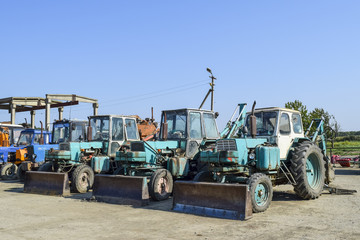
(123, 159)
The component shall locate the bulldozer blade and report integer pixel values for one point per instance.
(47, 183)
(121, 189)
(230, 201)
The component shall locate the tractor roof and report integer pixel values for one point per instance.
(31, 130)
(111, 115)
(188, 109)
(269, 109)
(11, 125)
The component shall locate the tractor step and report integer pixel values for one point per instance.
(287, 173)
(230, 201)
(121, 189)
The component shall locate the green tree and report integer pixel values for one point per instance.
(329, 120)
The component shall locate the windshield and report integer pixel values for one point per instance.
(25, 138)
(176, 125)
(77, 131)
(100, 128)
(61, 132)
(15, 135)
(265, 123)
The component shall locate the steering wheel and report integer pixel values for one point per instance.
(261, 131)
(177, 133)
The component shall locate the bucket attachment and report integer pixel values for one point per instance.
(47, 183)
(230, 201)
(121, 189)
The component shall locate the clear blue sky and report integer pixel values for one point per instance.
(132, 55)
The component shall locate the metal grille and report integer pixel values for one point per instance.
(226, 145)
(64, 146)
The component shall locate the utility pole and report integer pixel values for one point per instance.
(211, 90)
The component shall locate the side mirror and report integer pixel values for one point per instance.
(245, 130)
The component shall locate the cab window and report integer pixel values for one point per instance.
(117, 129)
(131, 129)
(284, 124)
(296, 120)
(195, 125)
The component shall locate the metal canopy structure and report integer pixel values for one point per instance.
(31, 104)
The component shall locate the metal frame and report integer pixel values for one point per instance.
(31, 104)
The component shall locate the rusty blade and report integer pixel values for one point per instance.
(230, 201)
(121, 189)
(47, 183)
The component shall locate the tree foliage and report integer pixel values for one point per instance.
(320, 113)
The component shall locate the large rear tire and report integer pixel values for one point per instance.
(261, 192)
(161, 185)
(8, 171)
(307, 167)
(82, 179)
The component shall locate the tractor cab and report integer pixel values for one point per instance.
(9, 134)
(113, 131)
(189, 127)
(280, 126)
(69, 131)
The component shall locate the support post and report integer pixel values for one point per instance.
(95, 106)
(32, 119)
(61, 110)
(47, 114)
(13, 112)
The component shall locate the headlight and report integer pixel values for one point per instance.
(252, 156)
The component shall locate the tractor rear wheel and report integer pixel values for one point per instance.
(307, 167)
(8, 171)
(161, 185)
(82, 179)
(261, 192)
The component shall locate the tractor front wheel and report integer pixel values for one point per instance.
(45, 167)
(160, 185)
(21, 173)
(8, 171)
(203, 176)
(261, 192)
(82, 179)
(307, 167)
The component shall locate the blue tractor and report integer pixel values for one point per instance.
(63, 131)
(11, 157)
(183, 133)
(259, 150)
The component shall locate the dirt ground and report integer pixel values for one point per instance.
(30, 216)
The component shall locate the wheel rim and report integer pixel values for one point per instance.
(163, 186)
(10, 171)
(84, 180)
(261, 194)
(312, 170)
